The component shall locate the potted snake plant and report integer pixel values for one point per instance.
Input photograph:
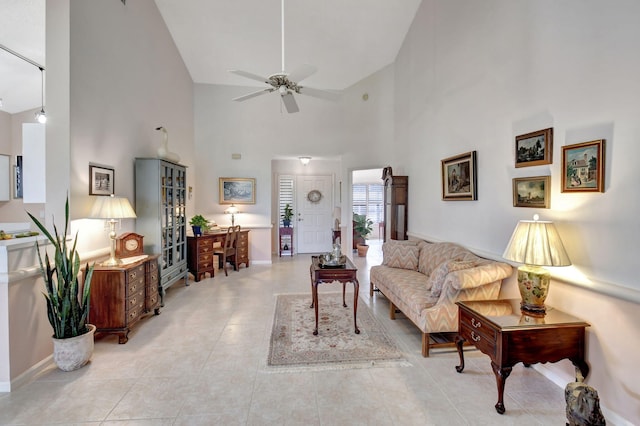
(67, 298)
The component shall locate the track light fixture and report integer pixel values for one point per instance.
(41, 116)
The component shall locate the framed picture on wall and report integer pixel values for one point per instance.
(535, 148)
(583, 167)
(101, 180)
(237, 190)
(459, 177)
(531, 192)
(17, 189)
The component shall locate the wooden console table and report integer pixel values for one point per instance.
(344, 275)
(122, 295)
(200, 251)
(499, 328)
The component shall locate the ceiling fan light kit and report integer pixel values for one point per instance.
(286, 83)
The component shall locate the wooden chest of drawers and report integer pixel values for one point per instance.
(122, 295)
(200, 258)
(242, 248)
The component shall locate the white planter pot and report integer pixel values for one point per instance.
(74, 352)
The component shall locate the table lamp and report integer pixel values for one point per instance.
(535, 244)
(112, 209)
(232, 210)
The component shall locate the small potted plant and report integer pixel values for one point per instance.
(199, 224)
(362, 227)
(287, 215)
(68, 299)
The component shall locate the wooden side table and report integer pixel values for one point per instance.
(346, 274)
(499, 328)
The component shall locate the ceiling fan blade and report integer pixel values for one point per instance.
(290, 103)
(302, 72)
(250, 75)
(322, 94)
(253, 94)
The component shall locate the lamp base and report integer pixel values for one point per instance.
(533, 283)
(111, 262)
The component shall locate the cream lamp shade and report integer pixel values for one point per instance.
(535, 243)
(112, 209)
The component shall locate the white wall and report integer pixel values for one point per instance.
(356, 131)
(472, 76)
(127, 79)
(113, 76)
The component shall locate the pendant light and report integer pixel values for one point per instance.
(41, 116)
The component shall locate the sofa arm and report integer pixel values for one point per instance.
(478, 275)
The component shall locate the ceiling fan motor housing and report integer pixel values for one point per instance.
(283, 84)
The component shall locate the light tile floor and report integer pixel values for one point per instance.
(202, 362)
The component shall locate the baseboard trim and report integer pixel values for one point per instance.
(27, 376)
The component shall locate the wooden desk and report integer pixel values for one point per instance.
(200, 251)
(344, 275)
(122, 295)
(499, 329)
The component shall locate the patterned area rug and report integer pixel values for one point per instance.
(336, 345)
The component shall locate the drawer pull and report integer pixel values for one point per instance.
(132, 275)
(475, 337)
(475, 324)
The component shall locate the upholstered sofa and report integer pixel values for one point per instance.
(424, 280)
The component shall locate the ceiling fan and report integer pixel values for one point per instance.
(286, 84)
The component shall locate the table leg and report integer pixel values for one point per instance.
(311, 277)
(501, 376)
(314, 290)
(356, 289)
(459, 342)
(344, 303)
(582, 369)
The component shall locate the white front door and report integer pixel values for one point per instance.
(313, 218)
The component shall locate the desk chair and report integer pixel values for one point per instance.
(227, 253)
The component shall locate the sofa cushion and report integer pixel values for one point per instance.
(433, 254)
(400, 254)
(439, 274)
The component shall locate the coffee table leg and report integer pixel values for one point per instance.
(356, 289)
(311, 277)
(344, 303)
(314, 290)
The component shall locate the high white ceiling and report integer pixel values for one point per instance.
(346, 39)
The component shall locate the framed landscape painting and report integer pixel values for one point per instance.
(535, 148)
(459, 177)
(237, 190)
(583, 167)
(531, 192)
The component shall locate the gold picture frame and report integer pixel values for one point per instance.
(237, 190)
(459, 182)
(533, 192)
(583, 167)
(535, 148)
